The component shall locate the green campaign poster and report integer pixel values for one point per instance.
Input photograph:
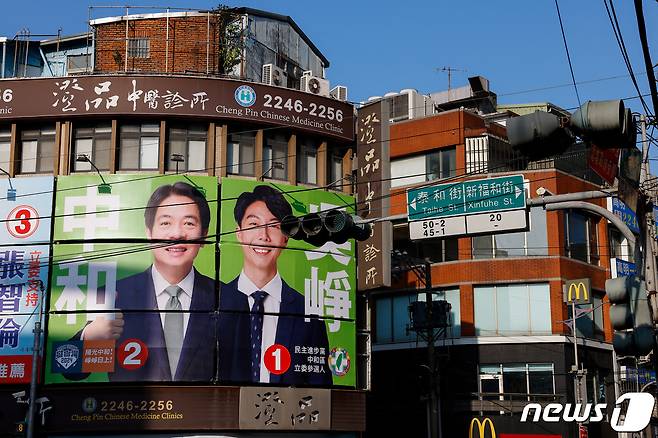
(306, 293)
(133, 293)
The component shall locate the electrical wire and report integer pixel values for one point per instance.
(566, 48)
(612, 16)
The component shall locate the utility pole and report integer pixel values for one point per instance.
(435, 391)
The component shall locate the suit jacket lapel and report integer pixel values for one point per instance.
(157, 333)
(285, 324)
(197, 327)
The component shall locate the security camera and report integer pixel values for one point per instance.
(543, 191)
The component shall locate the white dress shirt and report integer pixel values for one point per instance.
(185, 298)
(271, 306)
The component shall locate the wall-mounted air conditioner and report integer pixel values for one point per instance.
(314, 85)
(273, 75)
(339, 92)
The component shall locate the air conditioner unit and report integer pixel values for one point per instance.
(273, 75)
(314, 85)
(339, 92)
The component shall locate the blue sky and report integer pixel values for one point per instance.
(381, 46)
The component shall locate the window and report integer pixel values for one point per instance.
(336, 170)
(438, 164)
(93, 141)
(5, 149)
(37, 150)
(307, 163)
(392, 316)
(78, 63)
(441, 164)
(522, 379)
(241, 153)
(581, 237)
(190, 142)
(275, 150)
(138, 47)
(514, 309)
(619, 246)
(139, 148)
(436, 250)
(531, 243)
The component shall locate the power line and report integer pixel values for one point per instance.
(612, 16)
(566, 48)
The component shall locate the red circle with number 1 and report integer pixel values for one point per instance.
(132, 354)
(277, 359)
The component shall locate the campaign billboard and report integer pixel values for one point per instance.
(25, 213)
(287, 308)
(133, 280)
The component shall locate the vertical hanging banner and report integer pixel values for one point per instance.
(133, 275)
(287, 308)
(373, 188)
(25, 213)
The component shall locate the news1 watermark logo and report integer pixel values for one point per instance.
(637, 416)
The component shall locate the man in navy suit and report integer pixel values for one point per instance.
(259, 309)
(169, 306)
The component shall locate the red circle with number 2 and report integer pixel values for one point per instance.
(132, 354)
(277, 359)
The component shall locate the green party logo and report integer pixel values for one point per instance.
(339, 361)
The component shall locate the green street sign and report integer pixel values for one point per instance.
(466, 197)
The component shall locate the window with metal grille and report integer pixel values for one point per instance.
(138, 47)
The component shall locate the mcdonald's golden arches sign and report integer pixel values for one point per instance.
(578, 291)
(484, 428)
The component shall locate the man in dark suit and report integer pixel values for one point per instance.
(259, 309)
(169, 306)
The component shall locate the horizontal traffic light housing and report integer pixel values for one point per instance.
(330, 226)
(538, 135)
(606, 124)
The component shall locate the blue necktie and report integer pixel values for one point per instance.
(256, 323)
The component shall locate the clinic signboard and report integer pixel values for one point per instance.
(133, 292)
(25, 210)
(307, 294)
(169, 96)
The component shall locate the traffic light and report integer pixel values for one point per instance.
(330, 226)
(631, 313)
(538, 135)
(607, 124)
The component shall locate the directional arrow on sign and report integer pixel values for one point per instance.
(517, 191)
(412, 204)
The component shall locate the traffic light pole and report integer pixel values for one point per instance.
(435, 391)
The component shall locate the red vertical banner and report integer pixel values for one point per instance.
(605, 162)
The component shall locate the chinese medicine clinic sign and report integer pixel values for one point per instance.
(141, 305)
(373, 187)
(177, 96)
(272, 408)
(287, 308)
(24, 252)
